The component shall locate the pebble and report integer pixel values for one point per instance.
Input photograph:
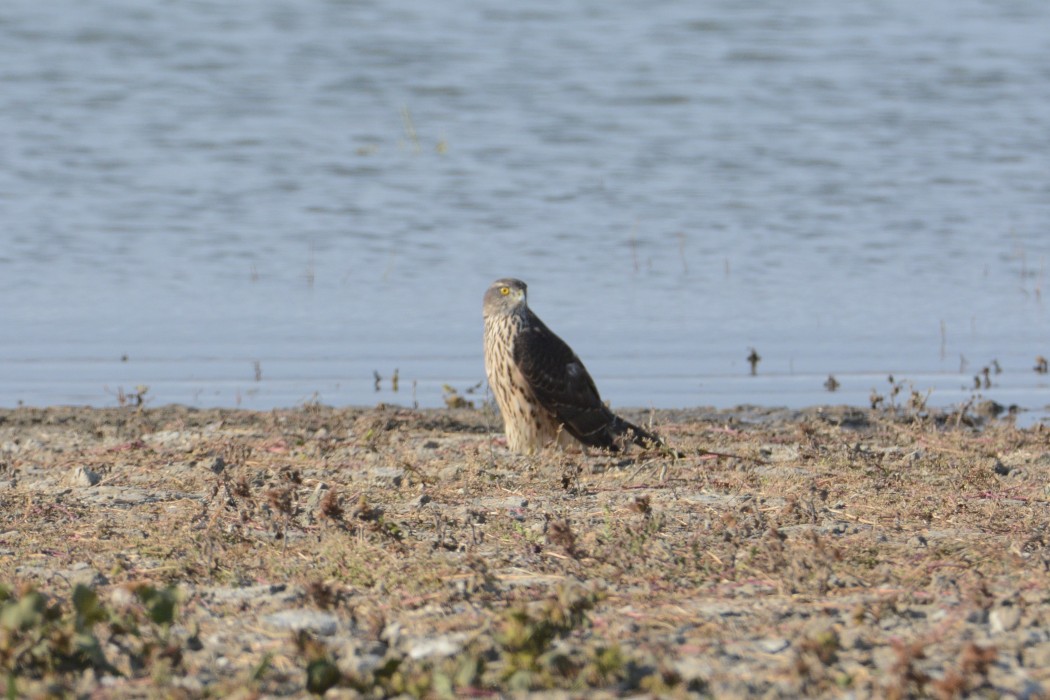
(277, 592)
(165, 437)
(443, 646)
(124, 496)
(121, 597)
(773, 645)
(83, 573)
(693, 668)
(391, 634)
(313, 503)
(1037, 656)
(84, 477)
(299, 619)
(358, 657)
(884, 657)
(450, 473)
(509, 503)
(79, 573)
(855, 638)
(780, 453)
(24, 445)
(388, 475)
(1004, 618)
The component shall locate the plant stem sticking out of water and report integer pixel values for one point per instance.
(410, 129)
(753, 358)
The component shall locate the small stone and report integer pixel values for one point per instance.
(430, 445)
(84, 477)
(267, 592)
(1004, 619)
(313, 503)
(389, 475)
(121, 597)
(300, 619)
(917, 541)
(1037, 656)
(977, 617)
(450, 473)
(391, 634)
(165, 437)
(835, 528)
(1035, 637)
(82, 573)
(514, 503)
(692, 668)
(437, 647)
(193, 685)
(120, 496)
(855, 638)
(773, 646)
(358, 657)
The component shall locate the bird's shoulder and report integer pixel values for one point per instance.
(550, 364)
(536, 343)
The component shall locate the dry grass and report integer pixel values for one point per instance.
(812, 553)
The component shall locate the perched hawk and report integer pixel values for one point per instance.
(543, 390)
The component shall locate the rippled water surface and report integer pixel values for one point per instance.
(262, 203)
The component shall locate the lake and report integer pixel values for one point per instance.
(266, 203)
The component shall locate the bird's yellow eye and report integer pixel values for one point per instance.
(504, 291)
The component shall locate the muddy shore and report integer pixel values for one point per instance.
(833, 552)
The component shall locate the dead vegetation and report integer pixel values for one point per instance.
(890, 553)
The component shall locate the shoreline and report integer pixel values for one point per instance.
(388, 550)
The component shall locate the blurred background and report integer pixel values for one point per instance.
(268, 202)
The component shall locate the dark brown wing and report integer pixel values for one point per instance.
(561, 383)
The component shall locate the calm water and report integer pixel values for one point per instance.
(326, 188)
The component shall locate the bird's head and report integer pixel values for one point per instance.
(504, 296)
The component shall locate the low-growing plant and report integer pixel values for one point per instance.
(43, 639)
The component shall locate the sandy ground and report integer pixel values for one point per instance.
(829, 552)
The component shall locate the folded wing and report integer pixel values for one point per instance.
(563, 386)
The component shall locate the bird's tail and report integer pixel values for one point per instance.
(624, 432)
(600, 427)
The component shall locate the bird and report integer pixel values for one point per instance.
(544, 393)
